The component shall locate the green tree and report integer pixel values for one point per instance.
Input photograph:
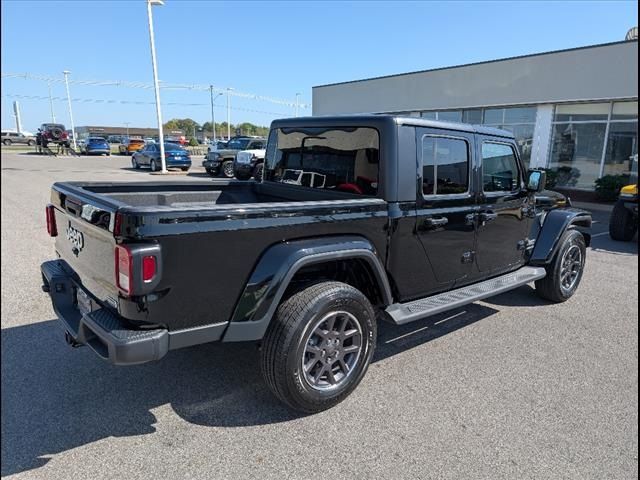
(186, 125)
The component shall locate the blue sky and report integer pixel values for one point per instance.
(273, 49)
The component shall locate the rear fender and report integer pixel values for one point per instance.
(552, 226)
(276, 268)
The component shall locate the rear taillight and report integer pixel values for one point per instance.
(117, 225)
(124, 269)
(148, 268)
(52, 229)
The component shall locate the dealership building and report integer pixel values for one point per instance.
(572, 111)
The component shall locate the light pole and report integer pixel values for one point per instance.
(73, 128)
(155, 81)
(297, 99)
(53, 115)
(213, 117)
(127, 125)
(228, 114)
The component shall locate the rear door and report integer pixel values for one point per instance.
(504, 203)
(445, 206)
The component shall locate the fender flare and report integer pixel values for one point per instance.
(553, 225)
(277, 266)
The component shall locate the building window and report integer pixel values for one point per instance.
(576, 153)
(594, 139)
(450, 116)
(443, 115)
(473, 116)
(520, 121)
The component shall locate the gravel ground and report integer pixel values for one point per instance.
(508, 388)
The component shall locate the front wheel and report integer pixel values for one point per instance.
(227, 168)
(7, 142)
(565, 271)
(134, 163)
(318, 346)
(153, 166)
(31, 143)
(622, 224)
(257, 174)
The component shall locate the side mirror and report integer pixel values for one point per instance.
(536, 181)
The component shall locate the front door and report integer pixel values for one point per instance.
(445, 206)
(503, 216)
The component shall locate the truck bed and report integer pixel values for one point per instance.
(182, 195)
(210, 234)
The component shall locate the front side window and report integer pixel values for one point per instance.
(342, 159)
(445, 165)
(499, 168)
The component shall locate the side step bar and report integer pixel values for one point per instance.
(402, 313)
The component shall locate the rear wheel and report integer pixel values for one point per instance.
(185, 169)
(7, 142)
(153, 166)
(31, 143)
(318, 346)
(622, 224)
(565, 271)
(227, 168)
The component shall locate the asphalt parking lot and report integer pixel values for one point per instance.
(512, 387)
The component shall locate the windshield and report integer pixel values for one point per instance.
(238, 143)
(331, 158)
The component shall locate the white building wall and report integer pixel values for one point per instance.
(601, 72)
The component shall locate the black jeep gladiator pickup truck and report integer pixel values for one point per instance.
(357, 219)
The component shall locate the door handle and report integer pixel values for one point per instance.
(487, 217)
(435, 222)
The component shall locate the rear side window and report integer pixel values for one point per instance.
(499, 168)
(342, 159)
(445, 165)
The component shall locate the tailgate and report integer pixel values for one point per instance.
(85, 241)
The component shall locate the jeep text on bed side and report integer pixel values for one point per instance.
(358, 218)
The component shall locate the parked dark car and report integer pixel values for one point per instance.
(95, 146)
(221, 161)
(358, 219)
(10, 138)
(149, 156)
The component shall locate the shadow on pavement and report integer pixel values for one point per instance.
(55, 398)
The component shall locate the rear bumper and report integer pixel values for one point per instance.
(99, 328)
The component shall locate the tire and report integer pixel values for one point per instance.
(242, 177)
(185, 169)
(134, 163)
(153, 166)
(56, 133)
(227, 168)
(622, 224)
(257, 174)
(293, 337)
(565, 271)
(7, 142)
(31, 143)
